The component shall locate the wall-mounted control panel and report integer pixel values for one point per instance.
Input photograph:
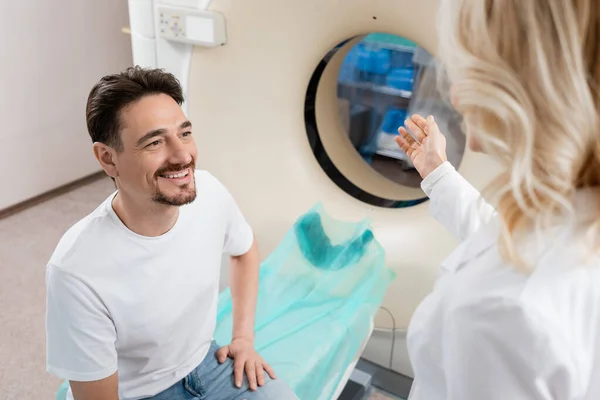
(203, 28)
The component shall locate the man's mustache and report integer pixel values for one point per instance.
(174, 168)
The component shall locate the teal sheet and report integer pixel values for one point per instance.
(318, 292)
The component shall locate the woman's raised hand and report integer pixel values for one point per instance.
(427, 145)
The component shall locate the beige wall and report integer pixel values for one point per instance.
(52, 52)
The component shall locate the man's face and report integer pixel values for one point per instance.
(159, 154)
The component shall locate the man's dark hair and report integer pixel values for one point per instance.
(114, 92)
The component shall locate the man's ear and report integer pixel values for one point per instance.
(106, 157)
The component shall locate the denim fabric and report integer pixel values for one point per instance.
(214, 381)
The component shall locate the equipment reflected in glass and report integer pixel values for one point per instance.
(383, 80)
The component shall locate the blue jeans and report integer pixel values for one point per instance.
(214, 381)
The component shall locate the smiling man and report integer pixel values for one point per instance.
(132, 288)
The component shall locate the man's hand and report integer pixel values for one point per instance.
(246, 359)
(428, 151)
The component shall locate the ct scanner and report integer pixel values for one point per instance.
(246, 66)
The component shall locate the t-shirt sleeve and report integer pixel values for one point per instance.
(238, 233)
(80, 335)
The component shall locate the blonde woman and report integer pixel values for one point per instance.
(516, 311)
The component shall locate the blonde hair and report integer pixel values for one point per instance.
(525, 75)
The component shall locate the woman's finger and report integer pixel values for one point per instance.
(406, 136)
(403, 143)
(432, 126)
(421, 123)
(417, 132)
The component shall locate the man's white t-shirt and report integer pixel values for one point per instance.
(142, 306)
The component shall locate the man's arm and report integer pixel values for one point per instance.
(241, 245)
(244, 291)
(104, 389)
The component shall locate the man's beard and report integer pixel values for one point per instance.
(187, 192)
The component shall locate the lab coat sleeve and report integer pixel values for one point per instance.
(455, 203)
(495, 350)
